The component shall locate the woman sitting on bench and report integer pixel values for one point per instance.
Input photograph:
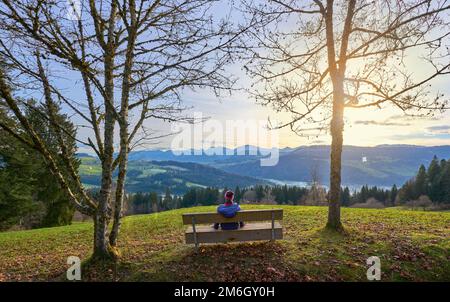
(229, 210)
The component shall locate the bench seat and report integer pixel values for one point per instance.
(250, 232)
(259, 225)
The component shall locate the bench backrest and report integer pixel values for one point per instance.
(244, 215)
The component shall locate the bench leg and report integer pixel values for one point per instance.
(195, 234)
(273, 228)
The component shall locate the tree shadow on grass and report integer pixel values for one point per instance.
(334, 256)
(262, 261)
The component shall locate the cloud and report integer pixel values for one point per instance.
(419, 136)
(439, 129)
(412, 118)
(381, 123)
(318, 142)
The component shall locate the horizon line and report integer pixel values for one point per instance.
(165, 149)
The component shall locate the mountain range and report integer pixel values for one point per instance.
(155, 170)
(381, 165)
(146, 176)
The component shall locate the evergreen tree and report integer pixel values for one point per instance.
(59, 209)
(168, 201)
(364, 193)
(34, 176)
(407, 192)
(237, 194)
(259, 190)
(345, 197)
(161, 205)
(17, 181)
(285, 194)
(179, 201)
(420, 184)
(154, 202)
(189, 198)
(434, 173)
(393, 195)
(139, 206)
(444, 184)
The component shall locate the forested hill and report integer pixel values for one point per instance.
(145, 176)
(382, 165)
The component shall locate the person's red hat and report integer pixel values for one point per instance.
(229, 196)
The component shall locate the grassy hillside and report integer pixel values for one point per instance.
(412, 245)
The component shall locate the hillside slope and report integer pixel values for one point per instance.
(383, 165)
(412, 245)
(145, 176)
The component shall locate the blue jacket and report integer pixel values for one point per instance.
(228, 212)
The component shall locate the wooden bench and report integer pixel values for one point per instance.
(259, 225)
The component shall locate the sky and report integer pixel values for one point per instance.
(363, 127)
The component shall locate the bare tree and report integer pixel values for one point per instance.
(315, 58)
(128, 61)
(315, 187)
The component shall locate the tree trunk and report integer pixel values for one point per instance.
(337, 121)
(123, 162)
(337, 128)
(102, 249)
(123, 124)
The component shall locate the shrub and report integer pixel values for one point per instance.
(371, 203)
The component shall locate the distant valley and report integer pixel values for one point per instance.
(382, 165)
(154, 170)
(146, 176)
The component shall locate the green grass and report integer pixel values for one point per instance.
(147, 170)
(412, 246)
(90, 169)
(90, 166)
